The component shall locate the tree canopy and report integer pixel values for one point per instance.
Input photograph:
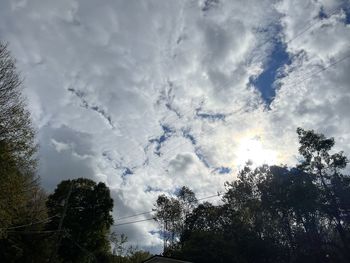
(16, 130)
(22, 201)
(70, 225)
(275, 213)
(268, 214)
(87, 219)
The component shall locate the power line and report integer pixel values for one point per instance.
(46, 220)
(133, 222)
(143, 213)
(69, 236)
(209, 197)
(32, 232)
(219, 194)
(148, 212)
(152, 218)
(306, 28)
(321, 70)
(291, 85)
(298, 82)
(59, 238)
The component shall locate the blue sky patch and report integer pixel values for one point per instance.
(347, 13)
(186, 133)
(86, 105)
(127, 171)
(154, 232)
(344, 6)
(210, 116)
(167, 97)
(264, 83)
(152, 189)
(209, 4)
(159, 141)
(322, 14)
(160, 233)
(222, 170)
(201, 157)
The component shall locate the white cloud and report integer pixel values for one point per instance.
(101, 76)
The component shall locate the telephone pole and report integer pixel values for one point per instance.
(59, 237)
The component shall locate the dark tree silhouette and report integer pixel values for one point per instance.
(87, 219)
(22, 202)
(276, 213)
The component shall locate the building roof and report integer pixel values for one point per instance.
(161, 259)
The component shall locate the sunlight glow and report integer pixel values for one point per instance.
(252, 149)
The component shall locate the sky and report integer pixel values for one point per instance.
(150, 95)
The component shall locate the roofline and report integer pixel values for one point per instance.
(170, 259)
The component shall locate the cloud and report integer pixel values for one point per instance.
(152, 95)
(64, 154)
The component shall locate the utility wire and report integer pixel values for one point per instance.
(309, 26)
(291, 85)
(294, 84)
(32, 232)
(227, 84)
(69, 236)
(306, 28)
(133, 222)
(59, 238)
(143, 213)
(148, 212)
(219, 194)
(319, 71)
(209, 197)
(46, 220)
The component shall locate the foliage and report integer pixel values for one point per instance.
(15, 123)
(133, 256)
(126, 254)
(28, 230)
(138, 256)
(118, 242)
(276, 213)
(269, 214)
(172, 212)
(22, 201)
(86, 222)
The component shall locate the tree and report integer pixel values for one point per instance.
(137, 256)
(123, 254)
(326, 169)
(168, 214)
(15, 123)
(276, 213)
(87, 219)
(188, 201)
(172, 212)
(22, 201)
(118, 242)
(132, 256)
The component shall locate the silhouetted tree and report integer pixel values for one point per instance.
(15, 123)
(276, 213)
(22, 201)
(171, 213)
(86, 222)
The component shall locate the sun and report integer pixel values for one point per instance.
(252, 149)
